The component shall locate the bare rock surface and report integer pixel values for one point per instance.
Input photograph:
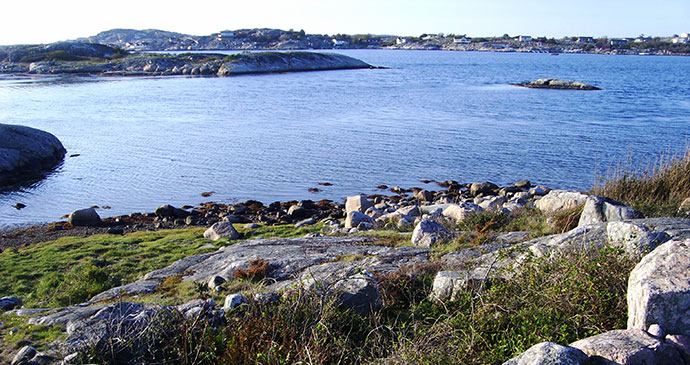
(659, 289)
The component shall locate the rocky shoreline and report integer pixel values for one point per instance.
(314, 260)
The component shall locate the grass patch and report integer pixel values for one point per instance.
(14, 331)
(657, 190)
(72, 269)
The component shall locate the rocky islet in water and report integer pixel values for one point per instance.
(87, 58)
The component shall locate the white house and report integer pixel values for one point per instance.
(524, 38)
(339, 43)
(462, 40)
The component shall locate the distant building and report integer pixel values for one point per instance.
(643, 39)
(337, 43)
(585, 39)
(618, 42)
(400, 41)
(226, 34)
(462, 40)
(683, 38)
(524, 38)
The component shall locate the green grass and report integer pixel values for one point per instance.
(657, 190)
(73, 269)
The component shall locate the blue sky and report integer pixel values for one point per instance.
(49, 21)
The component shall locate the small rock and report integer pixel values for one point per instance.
(297, 211)
(215, 282)
(234, 300)
(236, 219)
(116, 230)
(266, 298)
(221, 230)
(24, 355)
(9, 303)
(424, 195)
(251, 226)
(306, 222)
(428, 232)
(656, 331)
(85, 217)
(523, 184)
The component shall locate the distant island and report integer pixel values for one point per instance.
(276, 39)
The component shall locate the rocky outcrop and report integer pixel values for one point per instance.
(266, 62)
(659, 289)
(27, 152)
(557, 84)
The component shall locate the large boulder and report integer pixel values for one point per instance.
(27, 151)
(659, 289)
(599, 209)
(85, 217)
(357, 203)
(628, 347)
(221, 230)
(355, 218)
(557, 200)
(549, 353)
(428, 232)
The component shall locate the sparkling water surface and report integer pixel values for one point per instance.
(147, 141)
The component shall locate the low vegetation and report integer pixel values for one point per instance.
(559, 299)
(657, 190)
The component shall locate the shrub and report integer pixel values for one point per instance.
(257, 270)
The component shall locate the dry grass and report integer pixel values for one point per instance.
(656, 189)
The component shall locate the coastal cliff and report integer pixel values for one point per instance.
(77, 58)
